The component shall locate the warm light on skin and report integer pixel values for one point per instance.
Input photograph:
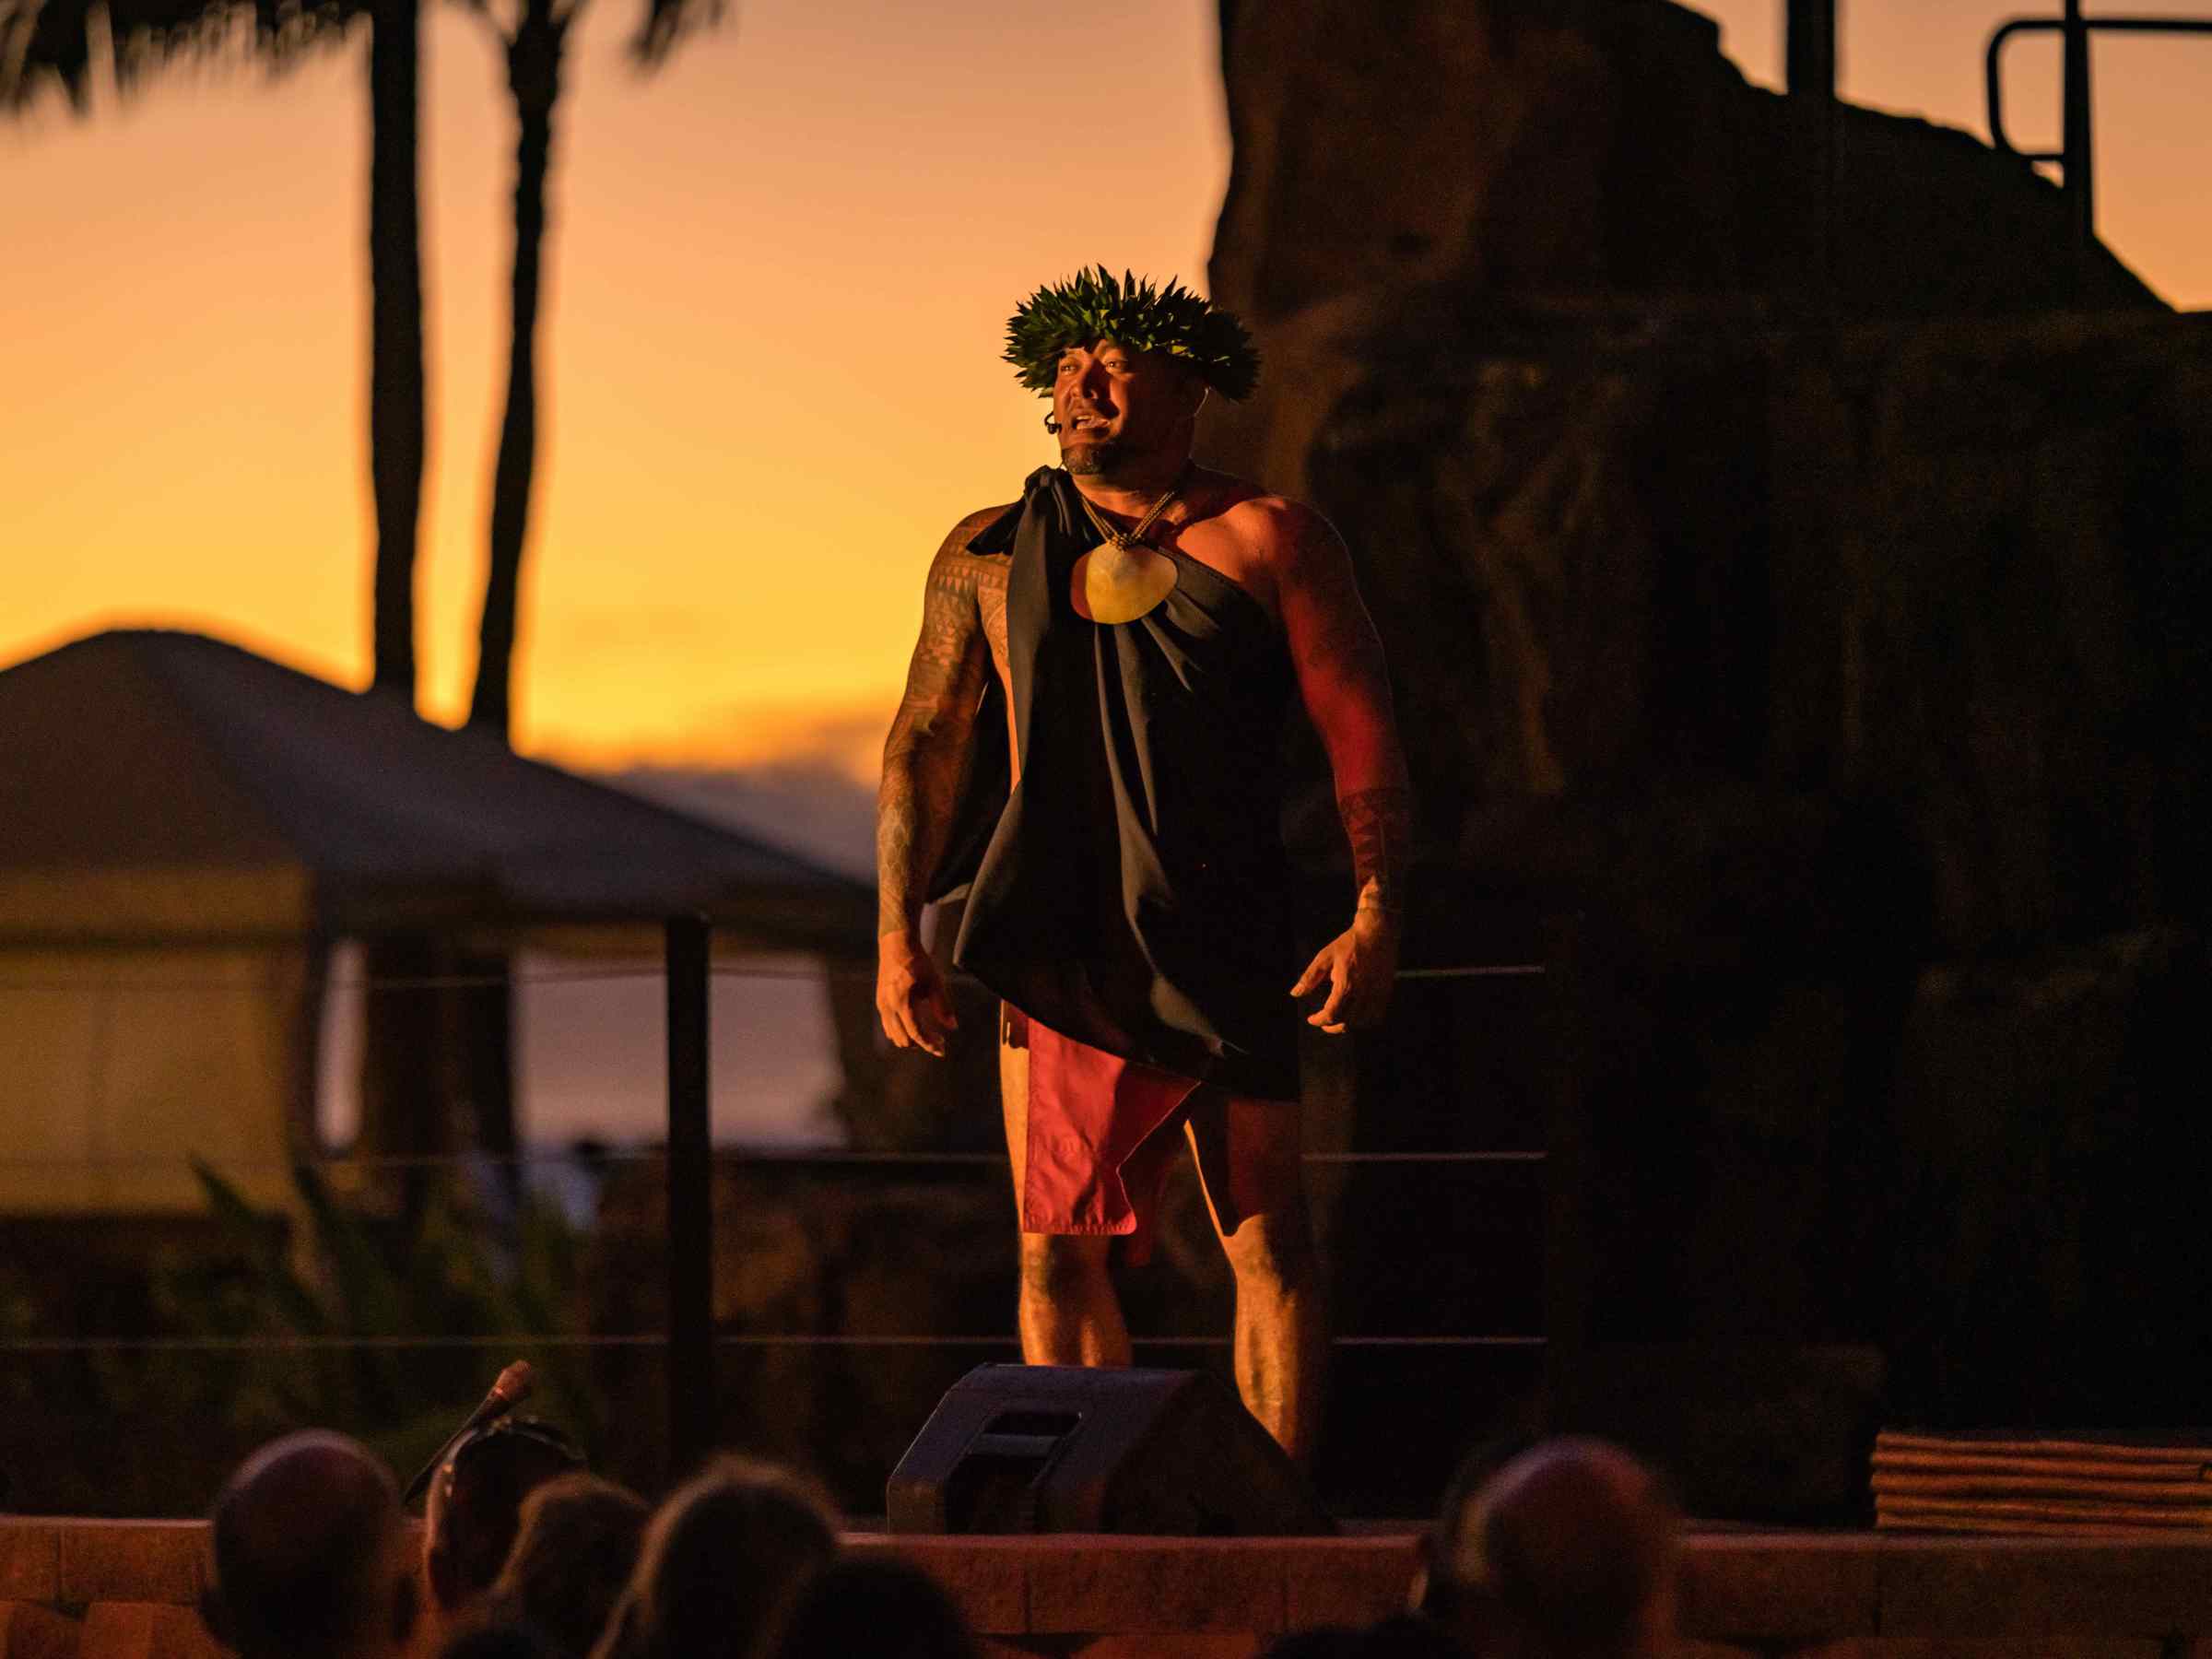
(778, 281)
(1125, 422)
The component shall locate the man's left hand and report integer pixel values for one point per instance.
(1359, 966)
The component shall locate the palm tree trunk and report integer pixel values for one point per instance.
(404, 1108)
(396, 350)
(533, 76)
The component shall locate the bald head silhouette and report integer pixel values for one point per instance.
(310, 1557)
(1568, 1551)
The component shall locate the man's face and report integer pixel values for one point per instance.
(1117, 408)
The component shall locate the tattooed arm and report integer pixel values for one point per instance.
(1339, 659)
(923, 762)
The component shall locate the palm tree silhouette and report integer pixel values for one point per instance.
(533, 36)
(407, 1108)
(51, 41)
(405, 1105)
(396, 435)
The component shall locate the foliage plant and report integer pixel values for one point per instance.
(256, 1332)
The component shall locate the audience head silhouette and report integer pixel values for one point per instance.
(1568, 1551)
(574, 1549)
(889, 1609)
(475, 1503)
(720, 1563)
(311, 1557)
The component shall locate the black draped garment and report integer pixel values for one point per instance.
(1131, 891)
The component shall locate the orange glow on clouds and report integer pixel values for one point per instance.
(778, 278)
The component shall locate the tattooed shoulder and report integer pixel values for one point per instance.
(957, 572)
(973, 525)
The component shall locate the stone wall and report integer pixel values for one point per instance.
(127, 1590)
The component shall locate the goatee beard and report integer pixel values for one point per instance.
(1092, 460)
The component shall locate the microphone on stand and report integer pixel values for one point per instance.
(512, 1388)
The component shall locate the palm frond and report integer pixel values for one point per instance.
(667, 24)
(51, 43)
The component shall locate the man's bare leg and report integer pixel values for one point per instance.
(1069, 1314)
(1249, 1164)
(1066, 1310)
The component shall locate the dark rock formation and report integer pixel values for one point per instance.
(1833, 646)
(1749, 578)
(1591, 146)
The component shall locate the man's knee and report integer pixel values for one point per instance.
(1063, 1266)
(1273, 1250)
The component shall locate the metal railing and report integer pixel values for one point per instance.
(689, 1339)
(1811, 58)
(2076, 154)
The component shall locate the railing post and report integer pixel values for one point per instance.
(1568, 1257)
(2080, 181)
(692, 1411)
(1810, 55)
(2077, 151)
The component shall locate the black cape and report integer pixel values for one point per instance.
(1131, 891)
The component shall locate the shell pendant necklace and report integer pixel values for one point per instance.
(1123, 578)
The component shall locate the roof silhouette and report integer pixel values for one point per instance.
(137, 752)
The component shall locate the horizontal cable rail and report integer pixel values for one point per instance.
(821, 1159)
(578, 976)
(233, 1344)
(687, 1352)
(1486, 970)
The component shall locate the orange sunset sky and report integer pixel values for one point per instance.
(776, 287)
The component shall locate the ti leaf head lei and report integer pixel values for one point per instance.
(1091, 305)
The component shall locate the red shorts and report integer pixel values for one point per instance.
(1101, 1135)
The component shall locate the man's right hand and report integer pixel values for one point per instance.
(911, 996)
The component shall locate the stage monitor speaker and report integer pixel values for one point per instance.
(1062, 1448)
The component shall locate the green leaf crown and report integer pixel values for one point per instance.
(1091, 305)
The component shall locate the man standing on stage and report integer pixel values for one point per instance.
(1086, 748)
